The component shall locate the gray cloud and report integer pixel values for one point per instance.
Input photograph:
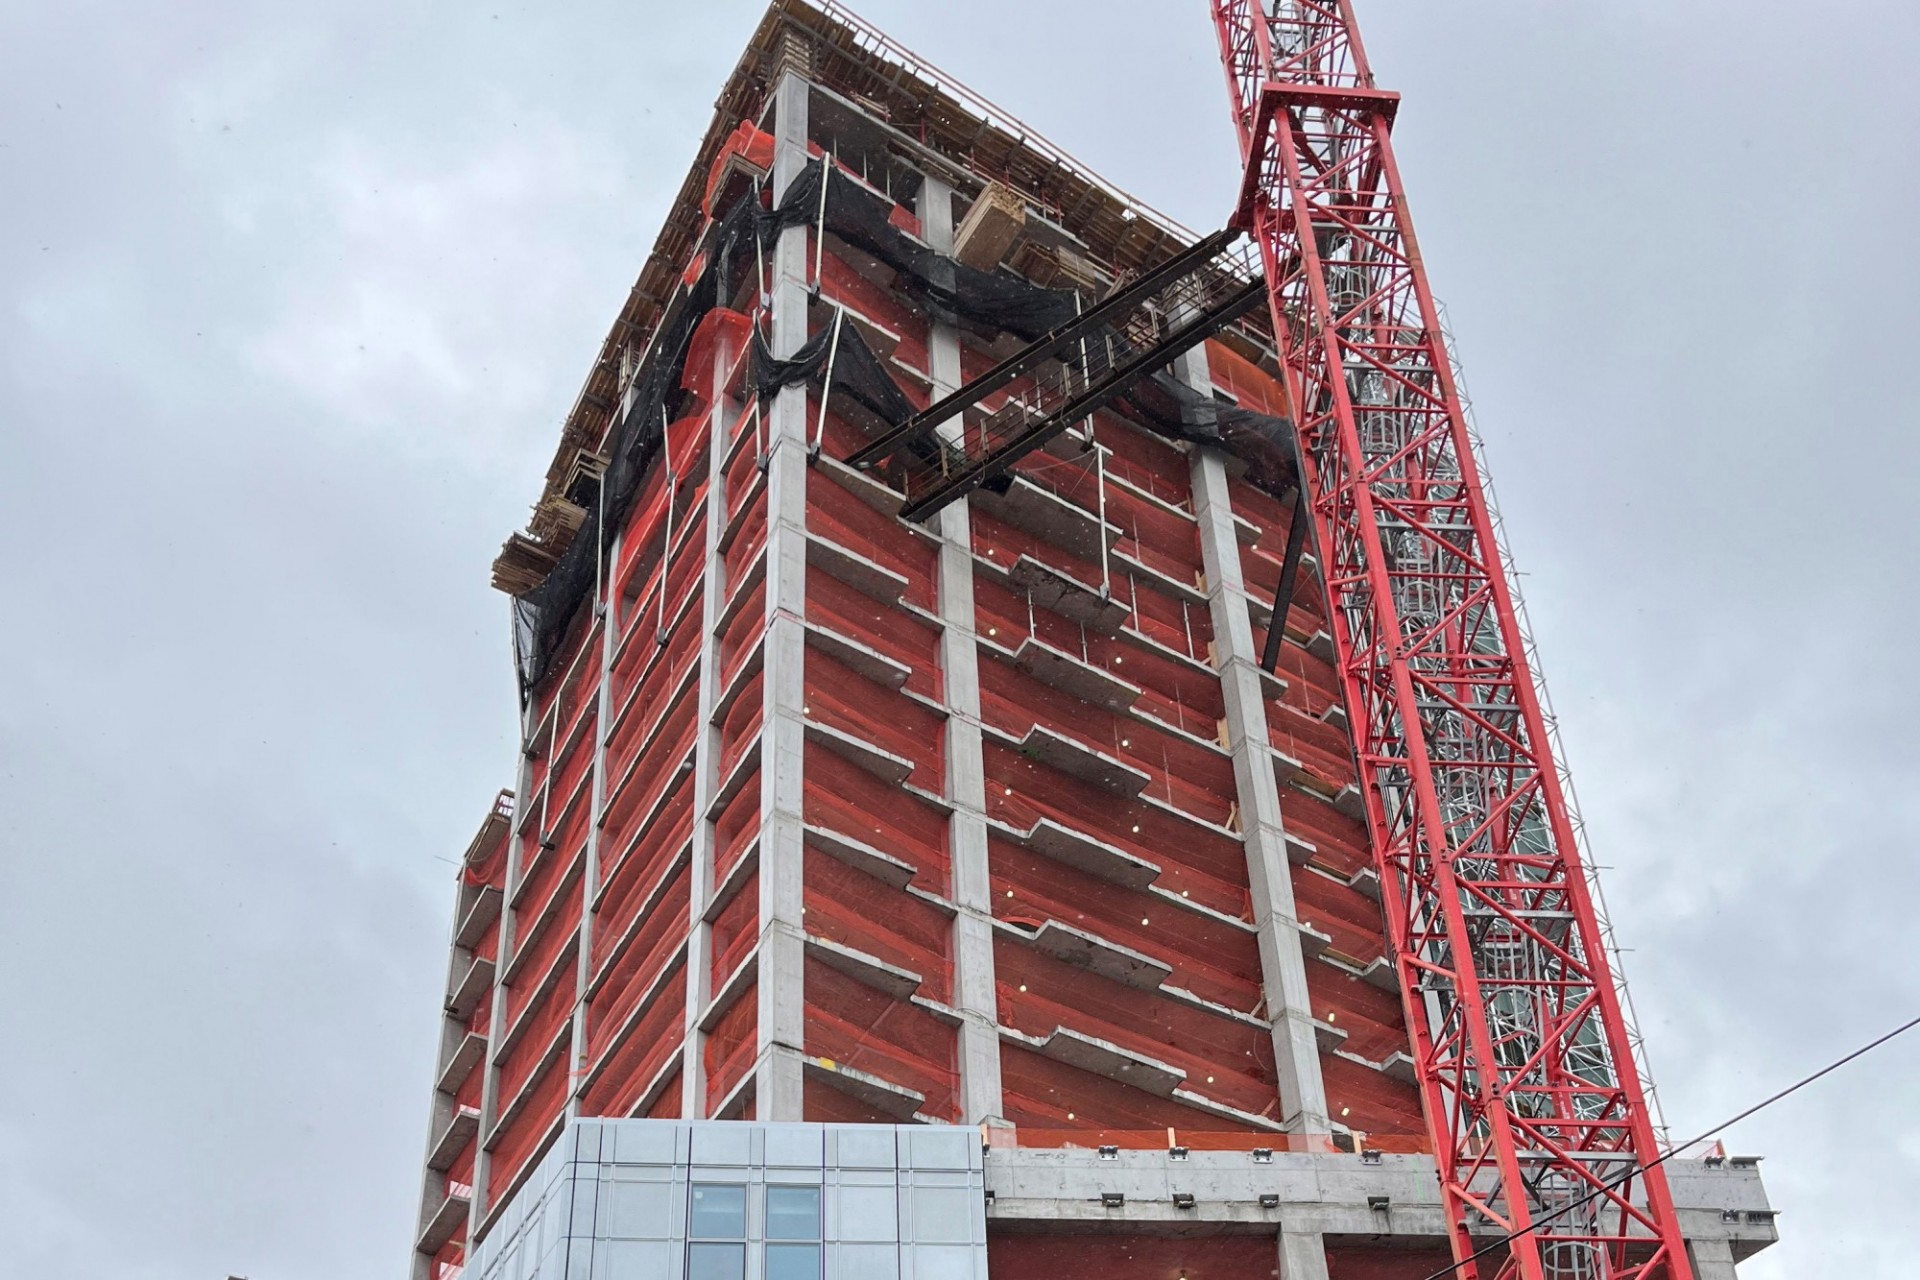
(294, 304)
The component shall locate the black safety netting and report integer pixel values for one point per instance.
(1264, 442)
(542, 615)
(948, 290)
(837, 353)
(951, 291)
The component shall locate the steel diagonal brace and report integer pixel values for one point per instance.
(1122, 376)
(1044, 347)
(1283, 594)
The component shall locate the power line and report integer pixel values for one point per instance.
(1638, 1170)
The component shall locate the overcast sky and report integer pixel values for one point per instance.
(293, 300)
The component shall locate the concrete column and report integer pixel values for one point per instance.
(1712, 1259)
(1283, 965)
(608, 615)
(777, 1085)
(973, 991)
(1303, 1255)
(441, 1109)
(706, 760)
(523, 813)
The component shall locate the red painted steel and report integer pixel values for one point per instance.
(1529, 1085)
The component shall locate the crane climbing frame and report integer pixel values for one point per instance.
(1538, 1117)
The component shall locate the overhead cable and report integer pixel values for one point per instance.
(1454, 1268)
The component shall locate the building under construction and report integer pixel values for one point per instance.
(1030, 765)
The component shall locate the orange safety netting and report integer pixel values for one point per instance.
(652, 775)
(519, 1139)
(1224, 1059)
(722, 332)
(740, 725)
(731, 1045)
(853, 1025)
(635, 961)
(843, 699)
(1249, 385)
(534, 1037)
(635, 885)
(737, 826)
(735, 931)
(753, 145)
(1210, 866)
(842, 797)
(1188, 775)
(849, 612)
(1041, 1092)
(1212, 958)
(554, 944)
(841, 518)
(633, 1051)
(856, 910)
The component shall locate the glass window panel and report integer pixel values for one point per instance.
(719, 1212)
(793, 1213)
(716, 1262)
(793, 1262)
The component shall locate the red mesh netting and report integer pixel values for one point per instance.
(838, 516)
(1227, 1060)
(740, 725)
(634, 1049)
(731, 1046)
(658, 768)
(854, 1025)
(639, 954)
(1211, 958)
(852, 908)
(554, 943)
(1045, 1094)
(722, 331)
(842, 797)
(535, 1036)
(638, 884)
(850, 612)
(737, 825)
(1208, 866)
(839, 697)
(1131, 1256)
(1192, 777)
(524, 1133)
(735, 930)
(751, 144)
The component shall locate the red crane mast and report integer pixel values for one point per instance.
(1531, 1095)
